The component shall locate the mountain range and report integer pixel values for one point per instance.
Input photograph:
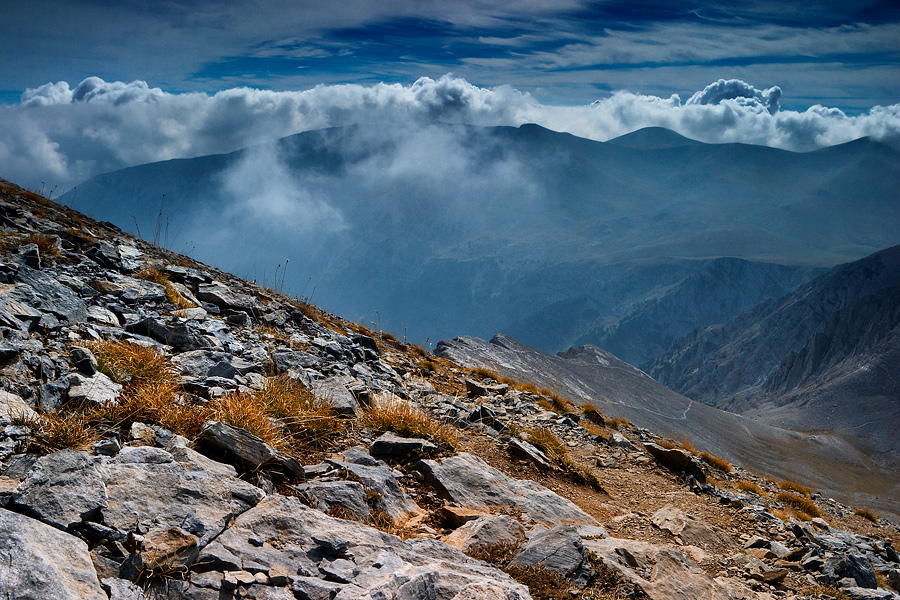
(445, 230)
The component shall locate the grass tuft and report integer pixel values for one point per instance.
(799, 504)
(59, 430)
(750, 487)
(793, 486)
(867, 514)
(172, 295)
(389, 413)
(715, 461)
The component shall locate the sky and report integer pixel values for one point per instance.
(88, 86)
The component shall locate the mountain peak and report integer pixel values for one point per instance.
(653, 138)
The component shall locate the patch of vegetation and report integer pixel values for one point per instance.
(590, 412)
(58, 430)
(159, 277)
(750, 487)
(618, 423)
(793, 486)
(389, 413)
(543, 583)
(867, 514)
(715, 461)
(556, 451)
(47, 245)
(799, 504)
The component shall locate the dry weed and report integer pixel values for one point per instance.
(793, 486)
(715, 461)
(389, 413)
(159, 277)
(799, 504)
(867, 514)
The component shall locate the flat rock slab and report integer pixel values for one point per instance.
(470, 482)
(40, 562)
(664, 573)
(691, 529)
(391, 444)
(99, 389)
(487, 531)
(283, 532)
(336, 392)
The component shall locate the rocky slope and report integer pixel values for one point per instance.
(463, 230)
(822, 359)
(170, 431)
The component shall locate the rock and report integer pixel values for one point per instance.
(456, 516)
(222, 296)
(475, 389)
(559, 549)
(691, 529)
(64, 488)
(530, 451)
(51, 394)
(468, 481)
(294, 360)
(43, 292)
(83, 360)
(31, 255)
(375, 564)
(99, 389)
(853, 566)
(334, 391)
(120, 589)
(771, 576)
(663, 573)
(390, 496)
(177, 335)
(13, 408)
(349, 496)
(169, 549)
(245, 449)
(103, 316)
(148, 488)
(487, 531)
(676, 460)
(859, 593)
(485, 415)
(391, 444)
(42, 563)
(208, 363)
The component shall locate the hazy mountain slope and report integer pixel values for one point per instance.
(448, 229)
(823, 358)
(618, 389)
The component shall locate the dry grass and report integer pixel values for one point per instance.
(618, 423)
(715, 461)
(799, 504)
(59, 430)
(47, 245)
(159, 277)
(389, 413)
(557, 452)
(793, 486)
(124, 361)
(867, 514)
(590, 412)
(543, 583)
(307, 419)
(750, 487)
(591, 428)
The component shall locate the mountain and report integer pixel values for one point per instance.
(593, 375)
(440, 230)
(821, 359)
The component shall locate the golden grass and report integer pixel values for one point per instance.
(556, 451)
(799, 504)
(618, 423)
(307, 418)
(793, 486)
(715, 461)
(172, 295)
(867, 514)
(59, 430)
(46, 245)
(389, 413)
(591, 428)
(749, 486)
(590, 412)
(124, 361)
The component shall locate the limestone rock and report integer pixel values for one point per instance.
(487, 531)
(468, 481)
(691, 529)
(559, 549)
(40, 562)
(98, 389)
(391, 444)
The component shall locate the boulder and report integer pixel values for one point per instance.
(98, 389)
(530, 451)
(344, 496)
(476, 389)
(559, 549)
(64, 488)
(282, 531)
(222, 296)
(209, 363)
(676, 460)
(391, 444)
(172, 333)
(487, 531)
(246, 450)
(689, 528)
(851, 566)
(468, 481)
(12, 407)
(662, 572)
(390, 496)
(40, 562)
(335, 391)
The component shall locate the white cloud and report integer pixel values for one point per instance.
(62, 135)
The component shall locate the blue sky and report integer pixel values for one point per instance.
(567, 52)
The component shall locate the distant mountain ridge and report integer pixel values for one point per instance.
(825, 357)
(557, 239)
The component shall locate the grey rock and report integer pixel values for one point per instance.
(861, 593)
(662, 572)
(98, 389)
(83, 360)
(208, 363)
(476, 389)
(41, 291)
(853, 566)
(383, 565)
(470, 482)
(487, 531)
(147, 487)
(222, 296)
(64, 488)
(102, 315)
(559, 549)
(391, 497)
(13, 407)
(691, 529)
(294, 360)
(360, 456)
(171, 333)
(393, 445)
(530, 451)
(485, 415)
(334, 390)
(620, 440)
(30, 255)
(42, 563)
(677, 460)
(120, 589)
(244, 449)
(349, 496)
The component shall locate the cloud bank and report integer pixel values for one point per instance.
(62, 135)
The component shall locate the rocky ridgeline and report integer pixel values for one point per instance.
(144, 512)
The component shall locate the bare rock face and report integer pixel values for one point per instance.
(327, 556)
(40, 562)
(487, 531)
(662, 572)
(691, 529)
(470, 482)
(559, 549)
